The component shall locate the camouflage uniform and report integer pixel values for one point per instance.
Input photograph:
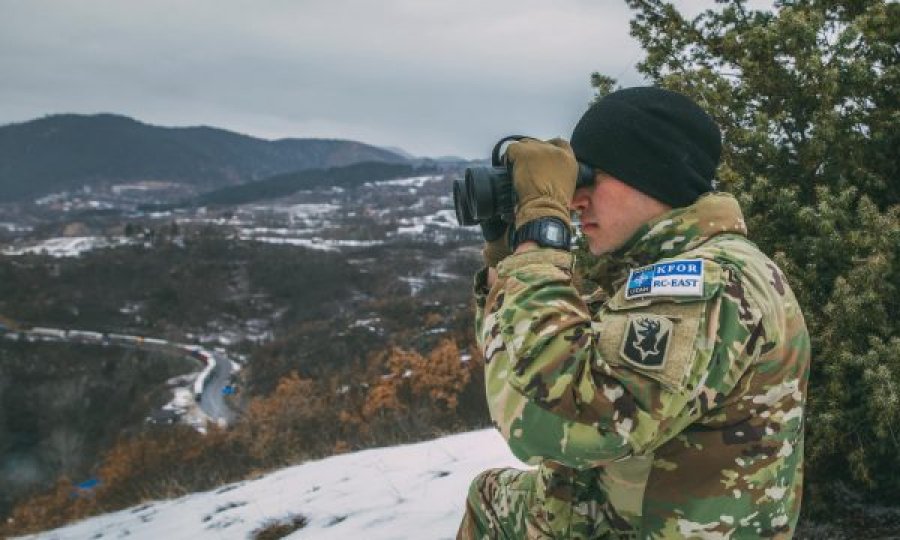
(657, 416)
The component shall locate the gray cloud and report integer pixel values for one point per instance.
(433, 77)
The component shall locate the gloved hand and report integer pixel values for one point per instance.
(496, 241)
(544, 175)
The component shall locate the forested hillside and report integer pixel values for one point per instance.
(55, 413)
(64, 152)
(281, 185)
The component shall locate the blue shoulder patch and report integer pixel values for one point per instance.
(683, 277)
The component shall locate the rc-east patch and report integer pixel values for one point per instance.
(646, 340)
(671, 278)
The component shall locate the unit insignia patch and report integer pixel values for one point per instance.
(646, 341)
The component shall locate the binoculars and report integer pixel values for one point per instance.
(488, 192)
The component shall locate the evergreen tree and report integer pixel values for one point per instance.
(807, 97)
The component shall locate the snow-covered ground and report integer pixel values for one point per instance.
(14, 227)
(331, 219)
(69, 246)
(414, 491)
(417, 181)
(322, 244)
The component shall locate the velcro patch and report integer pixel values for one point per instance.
(646, 341)
(671, 278)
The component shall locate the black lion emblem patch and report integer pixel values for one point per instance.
(646, 341)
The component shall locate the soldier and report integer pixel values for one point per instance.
(671, 407)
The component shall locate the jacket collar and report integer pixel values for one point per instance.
(683, 229)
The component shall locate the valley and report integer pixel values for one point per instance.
(313, 283)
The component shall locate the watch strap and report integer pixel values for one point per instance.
(546, 232)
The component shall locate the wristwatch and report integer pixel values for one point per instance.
(547, 232)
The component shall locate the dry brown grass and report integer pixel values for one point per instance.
(279, 528)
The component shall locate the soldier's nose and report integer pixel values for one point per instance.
(579, 202)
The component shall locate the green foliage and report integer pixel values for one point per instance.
(807, 97)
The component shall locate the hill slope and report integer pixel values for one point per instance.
(62, 152)
(415, 491)
(283, 185)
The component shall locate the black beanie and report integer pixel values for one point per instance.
(657, 141)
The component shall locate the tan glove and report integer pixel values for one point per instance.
(544, 175)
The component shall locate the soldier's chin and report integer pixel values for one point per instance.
(602, 246)
(597, 246)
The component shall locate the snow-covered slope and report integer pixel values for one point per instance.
(414, 491)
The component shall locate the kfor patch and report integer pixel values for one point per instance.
(671, 278)
(646, 341)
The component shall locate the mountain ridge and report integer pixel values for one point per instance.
(67, 151)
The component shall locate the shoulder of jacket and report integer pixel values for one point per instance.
(734, 251)
(739, 259)
(750, 278)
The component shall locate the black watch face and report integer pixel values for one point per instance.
(547, 232)
(554, 233)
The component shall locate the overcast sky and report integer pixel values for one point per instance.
(434, 77)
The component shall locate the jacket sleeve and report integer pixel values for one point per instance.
(559, 385)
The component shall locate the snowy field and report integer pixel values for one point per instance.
(415, 491)
(68, 246)
(414, 182)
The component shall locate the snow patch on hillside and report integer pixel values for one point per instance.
(416, 225)
(321, 244)
(415, 491)
(15, 227)
(417, 181)
(69, 246)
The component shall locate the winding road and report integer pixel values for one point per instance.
(212, 400)
(211, 381)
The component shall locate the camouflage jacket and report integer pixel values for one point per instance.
(672, 408)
